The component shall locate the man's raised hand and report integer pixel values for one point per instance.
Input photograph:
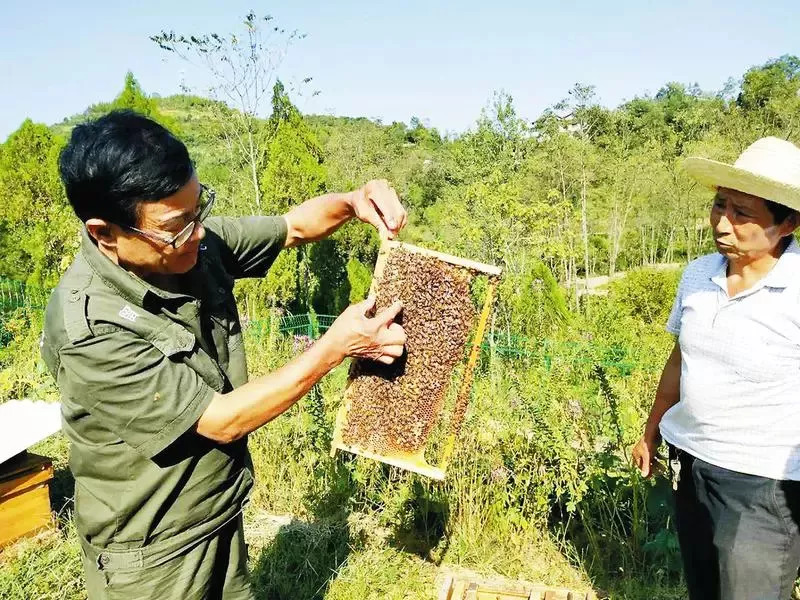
(377, 203)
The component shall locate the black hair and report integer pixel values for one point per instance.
(119, 160)
(779, 212)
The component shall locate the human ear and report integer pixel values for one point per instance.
(103, 232)
(791, 223)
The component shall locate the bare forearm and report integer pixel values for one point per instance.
(317, 218)
(235, 414)
(667, 394)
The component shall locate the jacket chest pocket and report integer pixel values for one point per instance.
(224, 318)
(175, 342)
(227, 334)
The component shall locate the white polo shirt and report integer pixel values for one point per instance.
(739, 406)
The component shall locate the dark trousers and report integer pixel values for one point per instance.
(738, 533)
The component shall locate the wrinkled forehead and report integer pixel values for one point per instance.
(740, 198)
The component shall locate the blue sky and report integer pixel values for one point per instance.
(440, 61)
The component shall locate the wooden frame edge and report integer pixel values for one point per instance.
(408, 462)
(484, 268)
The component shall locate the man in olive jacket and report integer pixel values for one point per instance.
(144, 340)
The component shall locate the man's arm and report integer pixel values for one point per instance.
(667, 395)
(375, 203)
(249, 245)
(233, 415)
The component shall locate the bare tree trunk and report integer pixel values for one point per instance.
(621, 224)
(670, 242)
(615, 236)
(618, 225)
(653, 245)
(643, 237)
(574, 277)
(254, 167)
(689, 241)
(584, 231)
(612, 254)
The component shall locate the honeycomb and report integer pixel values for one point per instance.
(394, 408)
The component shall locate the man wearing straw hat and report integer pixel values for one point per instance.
(728, 403)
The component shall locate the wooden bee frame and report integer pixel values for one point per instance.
(415, 461)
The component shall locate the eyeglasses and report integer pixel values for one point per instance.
(207, 197)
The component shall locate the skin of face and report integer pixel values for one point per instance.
(744, 228)
(163, 218)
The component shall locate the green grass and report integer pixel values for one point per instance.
(539, 489)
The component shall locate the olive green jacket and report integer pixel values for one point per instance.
(137, 366)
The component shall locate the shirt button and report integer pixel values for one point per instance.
(104, 560)
(221, 290)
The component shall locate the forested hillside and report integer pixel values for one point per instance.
(580, 190)
(541, 487)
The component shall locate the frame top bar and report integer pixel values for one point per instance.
(448, 258)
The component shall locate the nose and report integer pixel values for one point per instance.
(724, 224)
(720, 222)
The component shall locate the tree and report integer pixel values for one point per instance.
(294, 171)
(132, 97)
(775, 79)
(243, 69)
(771, 93)
(570, 136)
(38, 231)
(359, 278)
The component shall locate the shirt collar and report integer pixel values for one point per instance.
(785, 271)
(128, 285)
(781, 276)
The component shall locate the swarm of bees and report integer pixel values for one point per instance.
(395, 407)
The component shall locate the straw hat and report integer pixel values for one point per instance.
(769, 168)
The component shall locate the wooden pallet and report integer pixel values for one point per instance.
(24, 496)
(465, 587)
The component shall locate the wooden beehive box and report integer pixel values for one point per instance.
(24, 496)
(409, 414)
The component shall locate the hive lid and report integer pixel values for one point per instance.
(26, 422)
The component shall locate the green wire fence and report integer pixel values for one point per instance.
(500, 344)
(14, 294)
(309, 325)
